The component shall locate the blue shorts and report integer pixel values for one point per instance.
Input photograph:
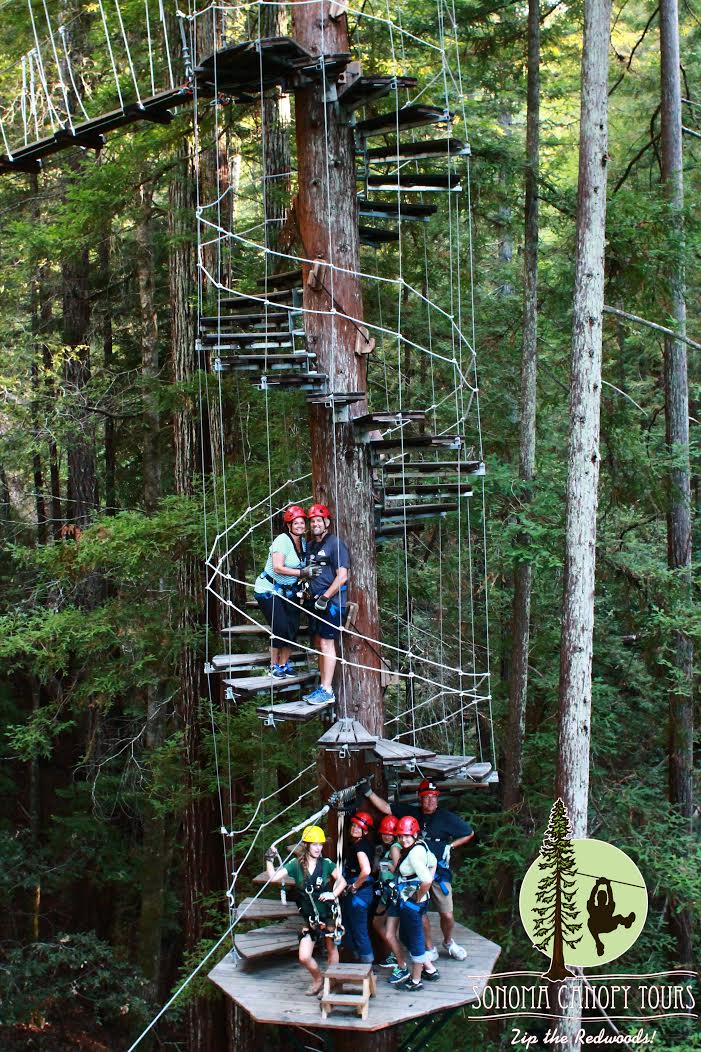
(330, 626)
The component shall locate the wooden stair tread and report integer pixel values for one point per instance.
(417, 511)
(413, 184)
(309, 381)
(264, 942)
(372, 236)
(444, 764)
(245, 630)
(263, 878)
(246, 68)
(345, 999)
(255, 336)
(244, 318)
(295, 711)
(390, 750)
(255, 684)
(404, 441)
(385, 530)
(433, 467)
(406, 117)
(348, 972)
(347, 732)
(285, 278)
(369, 88)
(394, 210)
(418, 489)
(265, 909)
(429, 149)
(371, 421)
(222, 661)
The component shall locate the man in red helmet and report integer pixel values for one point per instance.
(327, 597)
(442, 831)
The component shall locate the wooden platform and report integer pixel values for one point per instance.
(266, 909)
(273, 991)
(257, 684)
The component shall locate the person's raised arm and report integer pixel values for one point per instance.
(366, 790)
(275, 876)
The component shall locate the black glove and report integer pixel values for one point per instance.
(321, 603)
(270, 855)
(364, 787)
(309, 571)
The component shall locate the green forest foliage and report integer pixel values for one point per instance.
(90, 620)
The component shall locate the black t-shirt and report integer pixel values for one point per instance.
(352, 866)
(329, 554)
(438, 829)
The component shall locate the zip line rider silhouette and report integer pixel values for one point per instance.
(601, 916)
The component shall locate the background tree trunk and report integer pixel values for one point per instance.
(82, 467)
(681, 710)
(110, 456)
(583, 456)
(149, 348)
(523, 572)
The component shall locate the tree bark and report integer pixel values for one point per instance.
(149, 349)
(276, 147)
(681, 712)
(82, 467)
(206, 1021)
(583, 455)
(107, 360)
(328, 224)
(523, 572)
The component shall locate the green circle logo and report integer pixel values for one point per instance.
(582, 902)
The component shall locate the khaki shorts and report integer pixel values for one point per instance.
(443, 901)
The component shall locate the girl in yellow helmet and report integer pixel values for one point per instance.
(319, 883)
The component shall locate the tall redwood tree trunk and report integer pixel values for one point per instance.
(681, 708)
(328, 225)
(523, 573)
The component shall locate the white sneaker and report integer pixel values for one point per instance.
(458, 953)
(432, 954)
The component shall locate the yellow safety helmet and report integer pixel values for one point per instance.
(313, 835)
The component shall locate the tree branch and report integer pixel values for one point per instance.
(652, 325)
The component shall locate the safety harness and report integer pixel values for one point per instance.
(407, 885)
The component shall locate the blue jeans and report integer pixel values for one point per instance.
(355, 910)
(411, 929)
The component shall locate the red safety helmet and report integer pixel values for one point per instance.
(408, 826)
(428, 788)
(388, 825)
(364, 820)
(293, 512)
(319, 509)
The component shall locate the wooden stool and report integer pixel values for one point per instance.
(334, 996)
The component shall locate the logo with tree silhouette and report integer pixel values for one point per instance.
(583, 902)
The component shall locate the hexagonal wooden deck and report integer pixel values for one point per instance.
(273, 992)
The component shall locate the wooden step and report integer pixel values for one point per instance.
(302, 381)
(373, 238)
(404, 441)
(347, 733)
(433, 467)
(254, 339)
(348, 973)
(214, 321)
(397, 753)
(245, 630)
(395, 210)
(262, 878)
(274, 940)
(249, 685)
(400, 120)
(286, 280)
(414, 512)
(429, 149)
(252, 909)
(397, 530)
(257, 299)
(418, 489)
(337, 399)
(413, 184)
(246, 661)
(259, 362)
(293, 711)
(391, 418)
(447, 765)
(366, 89)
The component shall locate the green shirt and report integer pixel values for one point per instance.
(310, 886)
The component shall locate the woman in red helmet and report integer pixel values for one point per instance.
(417, 867)
(386, 919)
(277, 586)
(359, 852)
